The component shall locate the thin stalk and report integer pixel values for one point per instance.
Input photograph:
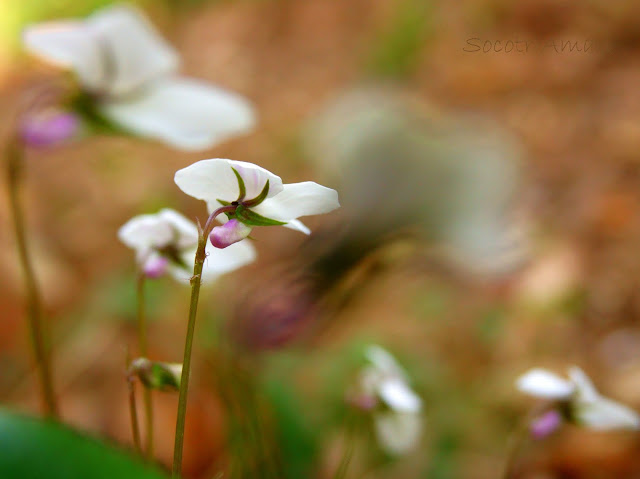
(142, 345)
(341, 471)
(519, 438)
(133, 410)
(34, 303)
(196, 280)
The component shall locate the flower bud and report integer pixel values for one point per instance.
(157, 375)
(362, 401)
(155, 266)
(227, 234)
(546, 424)
(48, 127)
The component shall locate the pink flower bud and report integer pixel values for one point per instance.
(546, 424)
(48, 127)
(364, 402)
(227, 234)
(155, 266)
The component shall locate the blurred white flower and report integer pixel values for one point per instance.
(129, 72)
(397, 417)
(586, 406)
(166, 242)
(259, 196)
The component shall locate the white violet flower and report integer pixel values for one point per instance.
(253, 197)
(396, 408)
(166, 242)
(128, 73)
(578, 399)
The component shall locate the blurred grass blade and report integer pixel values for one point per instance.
(31, 448)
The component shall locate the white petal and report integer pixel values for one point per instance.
(185, 231)
(370, 380)
(222, 261)
(299, 199)
(384, 362)
(544, 384)
(604, 414)
(131, 52)
(399, 396)
(584, 387)
(68, 45)
(218, 262)
(184, 113)
(210, 180)
(298, 226)
(398, 433)
(113, 52)
(146, 231)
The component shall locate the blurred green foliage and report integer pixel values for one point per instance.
(37, 449)
(396, 52)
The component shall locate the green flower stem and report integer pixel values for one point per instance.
(350, 439)
(34, 304)
(519, 439)
(196, 280)
(133, 410)
(142, 345)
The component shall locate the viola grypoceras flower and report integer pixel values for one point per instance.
(252, 196)
(166, 242)
(127, 74)
(577, 401)
(396, 409)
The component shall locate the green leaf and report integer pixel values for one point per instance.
(258, 199)
(250, 218)
(241, 187)
(297, 438)
(156, 374)
(32, 448)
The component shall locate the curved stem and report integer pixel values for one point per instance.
(186, 364)
(518, 438)
(133, 410)
(34, 306)
(142, 345)
(196, 280)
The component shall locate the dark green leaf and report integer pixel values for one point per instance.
(241, 187)
(250, 218)
(260, 198)
(40, 449)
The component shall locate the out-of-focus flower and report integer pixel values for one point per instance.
(274, 311)
(449, 179)
(48, 127)
(546, 424)
(128, 73)
(258, 196)
(578, 399)
(396, 408)
(156, 374)
(167, 242)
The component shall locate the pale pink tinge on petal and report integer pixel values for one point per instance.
(229, 233)
(48, 128)
(546, 424)
(155, 266)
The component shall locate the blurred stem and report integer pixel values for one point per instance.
(133, 410)
(196, 280)
(350, 436)
(142, 345)
(34, 304)
(518, 439)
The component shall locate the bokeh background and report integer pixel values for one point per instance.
(493, 227)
